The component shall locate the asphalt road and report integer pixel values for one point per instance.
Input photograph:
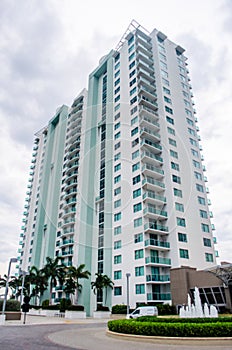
(87, 337)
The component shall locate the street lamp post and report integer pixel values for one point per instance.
(127, 293)
(24, 274)
(12, 260)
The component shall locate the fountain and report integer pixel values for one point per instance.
(196, 309)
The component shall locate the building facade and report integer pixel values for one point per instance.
(130, 193)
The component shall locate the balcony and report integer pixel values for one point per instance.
(150, 170)
(148, 122)
(154, 136)
(145, 56)
(148, 76)
(154, 260)
(158, 278)
(145, 101)
(67, 241)
(149, 156)
(159, 245)
(147, 92)
(153, 227)
(66, 253)
(158, 296)
(154, 213)
(148, 111)
(152, 197)
(151, 184)
(145, 44)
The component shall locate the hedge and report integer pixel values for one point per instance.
(174, 329)
(11, 305)
(183, 320)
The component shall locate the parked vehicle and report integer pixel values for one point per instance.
(143, 311)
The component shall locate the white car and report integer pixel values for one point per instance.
(143, 311)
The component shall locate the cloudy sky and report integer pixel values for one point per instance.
(47, 50)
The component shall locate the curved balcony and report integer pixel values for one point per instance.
(147, 156)
(148, 123)
(158, 245)
(150, 112)
(154, 213)
(153, 227)
(153, 171)
(144, 43)
(67, 242)
(154, 136)
(151, 184)
(157, 261)
(147, 92)
(154, 198)
(158, 279)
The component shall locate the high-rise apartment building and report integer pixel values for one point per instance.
(117, 180)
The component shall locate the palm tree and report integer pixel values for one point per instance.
(54, 271)
(37, 278)
(14, 283)
(101, 282)
(76, 273)
(69, 286)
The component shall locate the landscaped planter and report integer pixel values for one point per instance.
(49, 313)
(75, 314)
(12, 315)
(35, 312)
(101, 314)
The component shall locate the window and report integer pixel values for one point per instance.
(185, 94)
(117, 167)
(167, 99)
(173, 154)
(182, 237)
(172, 142)
(205, 228)
(116, 136)
(196, 164)
(135, 154)
(133, 100)
(117, 244)
(190, 122)
(137, 207)
(168, 109)
(117, 291)
(199, 188)
(197, 175)
(131, 48)
(117, 216)
(117, 98)
(133, 91)
(165, 81)
(131, 56)
(116, 82)
(117, 203)
(132, 73)
(187, 103)
(133, 110)
(117, 275)
(162, 57)
(138, 222)
(184, 254)
(208, 257)
(177, 192)
(139, 271)
(117, 90)
(138, 254)
(139, 289)
(135, 166)
(117, 191)
(130, 41)
(203, 214)
(117, 74)
(132, 64)
(137, 193)
(181, 222)
(166, 91)
(163, 65)
(117, 66)
(176, 179)
(138, 237)
(201, 200)
(134, 131)
(136, 179)
(117, 156)
(117, 259)
(193, 142)
(188, 112)
(117, 125)
(117, 145)
(195, 153)
(134, 120)
(117, 116)
(207, 242)
(191, 131)
(170, 120)
(171, 131)
(117, 179)
(117, 230)
(175, 166)
(179, 207)
(164, 74)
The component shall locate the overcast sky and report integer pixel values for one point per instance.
(47, 50)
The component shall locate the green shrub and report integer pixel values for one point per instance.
(64, 304)
(45, 304)
(36, 307)
(52, 307)
(183, 320)
(102, 308)
(11, 305)
(76, 308)
(119, 309)
(174, 329)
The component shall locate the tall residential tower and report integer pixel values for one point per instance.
(120, 185)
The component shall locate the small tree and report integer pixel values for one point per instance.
(72, 285)
(101, 282)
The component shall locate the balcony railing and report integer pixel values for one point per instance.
(156, 243)
(158, 296)
(158, 278)
(152, 195)
(154, 182)
(157, 260)
(155, 226)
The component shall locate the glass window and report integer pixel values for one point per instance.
(179, 206)
(191, 131)
(203, 214)
(170, 120)
(207, 242)
(134, 131)
(167, 99)
(133, 91)
(172, 142)
(117, 167)
(117, 203)
(184, 254)
(134, 120)
(133, 100)
(188, 112)
(117, 191)
(137, 207)
(182, 237)
(138, 222)
(117, 82)
(132, 56)
(137, 193)
(165, 81)
(117, 291)
(166, 91)
(117, 259)
(132, 73)
(117, 179)
(138, 254)
(205, 228)
(116, 126)
(118, 275)
(139, 271)
(140, 289)
(117, 136)
(131, 48)
(117, 145)
(117, 156)
(201, 200)
(117, 74)
(168, 109)
(196, 164)
(176, 179)
(135, 166)
(136, 179)
(208, 257)
(177, 192)
(197, 175)
(117, 90)
(173, 154)
(199, 188)
(193, 142)
(117, 244)
(132, 64)
(135, 154)
(175, 166)
(181, 222)
(190, 122)
(171, 131)
(117, 230)
(195, 153)
(117, 216)
(138, 237)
